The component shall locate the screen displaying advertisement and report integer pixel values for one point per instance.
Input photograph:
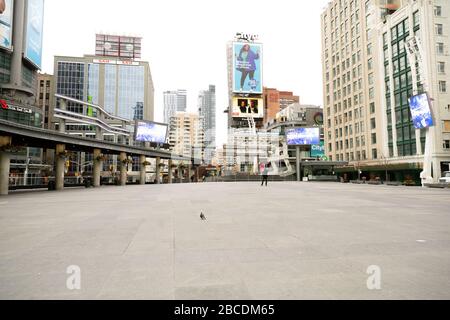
(247, 68)
(303, 136)
(421, 111)
(6, 23)
(147, 131)
(34, 32)
(248, 108)
(318, 150)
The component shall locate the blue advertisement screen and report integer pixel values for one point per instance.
(247, 74)
(34, 36)
(421, 111)
(151, 132)
(318, 150)
(303, 136)
(6, 18)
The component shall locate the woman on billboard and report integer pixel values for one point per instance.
(247, 66)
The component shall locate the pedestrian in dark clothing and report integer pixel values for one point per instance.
(265, 175)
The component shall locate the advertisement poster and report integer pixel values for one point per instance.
(318, 150)
(303, 136)
(34, 32)
(248, 108)
(151, 132)
(6, 26)
(421, 111)
(247, 68)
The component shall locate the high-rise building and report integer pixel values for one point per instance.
(21, 36)
(246, 146)
(207, 110)
(174, 101)
(123, 88)
(370, 70)
(275, 101)
(186, 134)
(45, 97)
(20, 60)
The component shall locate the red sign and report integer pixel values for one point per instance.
(3, 104)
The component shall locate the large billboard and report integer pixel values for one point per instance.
(303, 136)
(247, 68)
(34, 32)
(118, 46)
(248, 107)
(148, 131)
(421, 111)
(6, 23)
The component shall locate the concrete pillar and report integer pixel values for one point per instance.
(299, 177)
(170, 170)
(18, 32)
(189, 172)
(143, 171)
(98, 165)
(123, 169)
(4, 173)
(60, 163)
(158, 170)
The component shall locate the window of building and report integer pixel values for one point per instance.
(442, 86)
(441, 67)
(439, 29)
(438, 11)
(439, 48)
(447, 144)
(374, 138)
(374, 154)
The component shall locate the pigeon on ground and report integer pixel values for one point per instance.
(202, 216)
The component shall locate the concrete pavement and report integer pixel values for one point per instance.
(287, 241)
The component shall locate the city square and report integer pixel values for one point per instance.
(285, 241)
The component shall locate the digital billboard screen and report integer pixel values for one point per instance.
(318, 150)
(6, 26)
(147, 131)
(421, 111)
(248, 108)
(303, 136)
(247, 68)
(34, 32)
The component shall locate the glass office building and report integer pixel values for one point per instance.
(122, 88)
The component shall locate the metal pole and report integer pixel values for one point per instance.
(297, 148)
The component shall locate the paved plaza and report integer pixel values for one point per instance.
(286, 241)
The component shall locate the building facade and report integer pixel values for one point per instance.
(414, 59)
(186, 135)
(45, 98)
(19, 66)
(275, 100)
(368, 79)
(207, 110)
(123, 88)
(174, 101)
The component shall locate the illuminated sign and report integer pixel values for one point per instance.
(303, 136)
(5, 106)
(421, 111)
(118, 62)
(248, 108)
(240, 36)
(147, 131)
(6, 26)
(34, 32)
(247, 68)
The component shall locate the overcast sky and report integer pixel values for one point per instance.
(185, 41)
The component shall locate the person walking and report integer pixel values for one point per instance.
(265, 175)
